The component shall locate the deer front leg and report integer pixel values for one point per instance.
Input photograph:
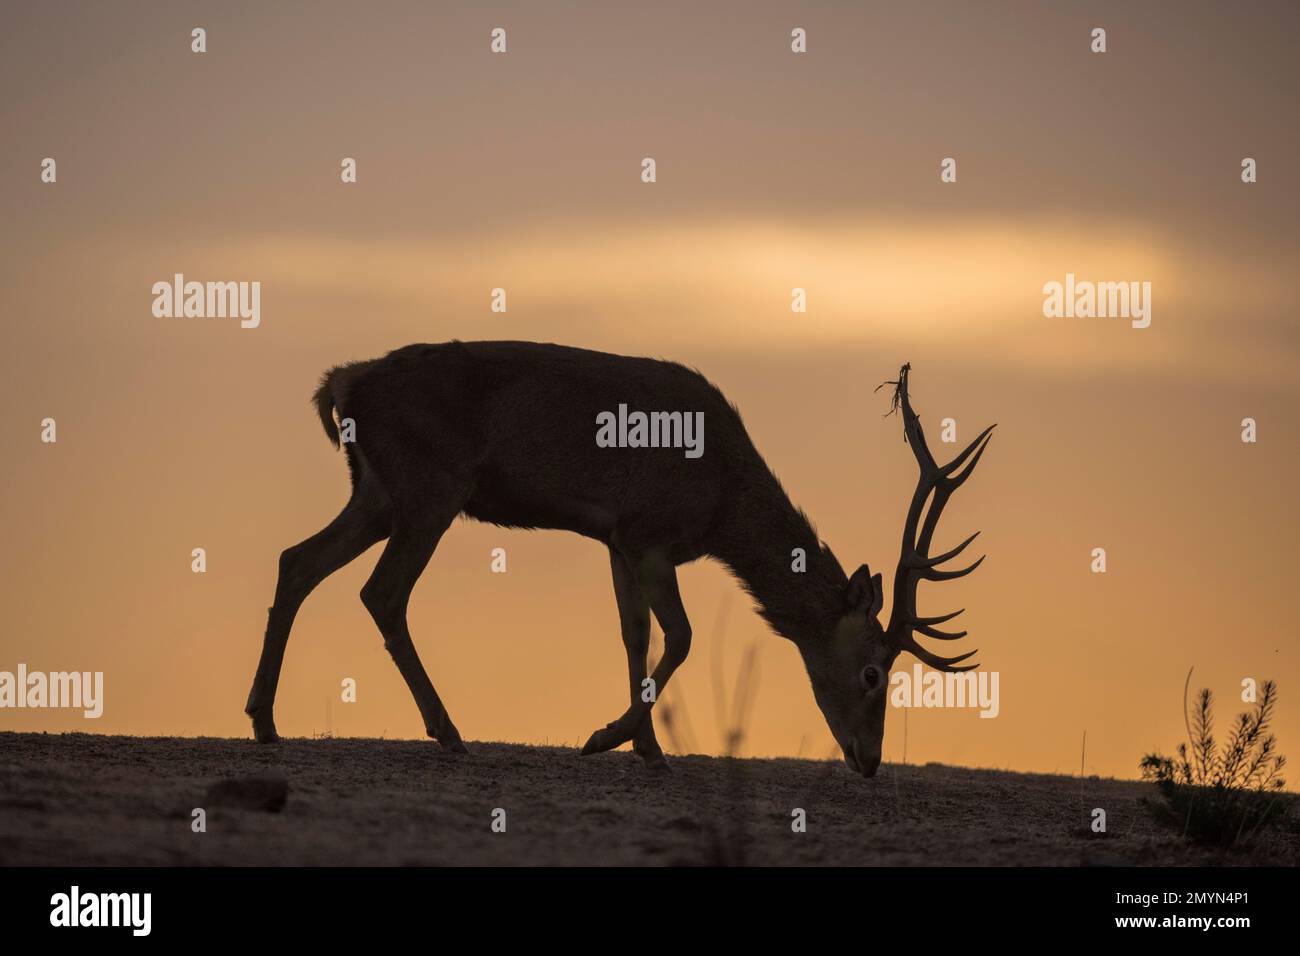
(634, 624)
(658, 580)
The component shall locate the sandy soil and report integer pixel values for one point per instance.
(85, 799)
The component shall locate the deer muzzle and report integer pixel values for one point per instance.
(862, 758)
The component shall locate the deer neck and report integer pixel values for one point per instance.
(774, 551)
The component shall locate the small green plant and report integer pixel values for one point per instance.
(1222, 796)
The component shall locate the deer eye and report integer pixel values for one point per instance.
(870, 677)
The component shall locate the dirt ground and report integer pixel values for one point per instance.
(79, 799)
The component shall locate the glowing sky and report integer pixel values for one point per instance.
(774, 171)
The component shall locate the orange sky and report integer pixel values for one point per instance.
(774, 171)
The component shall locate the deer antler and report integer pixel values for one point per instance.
(915, 564)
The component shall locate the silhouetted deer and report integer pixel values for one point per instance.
(504, 432)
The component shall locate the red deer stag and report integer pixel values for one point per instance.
(503, 432)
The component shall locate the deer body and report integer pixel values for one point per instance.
(517, 422)
(505, 432)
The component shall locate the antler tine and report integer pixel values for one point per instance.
(919, 562)
(937, 662)
(913, 434)
(956, 481)
(937, 620)
(932, 575)
(938, 634)
(953, 465)
(924, 626)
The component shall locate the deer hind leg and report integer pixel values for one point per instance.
(360, 524)
(657, 578)
(634, 622)
(414, 538)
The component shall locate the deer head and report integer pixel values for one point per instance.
(850, 672)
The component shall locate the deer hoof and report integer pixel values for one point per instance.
(453, 747)
(264, 730)
(647, 748)
(607, 738)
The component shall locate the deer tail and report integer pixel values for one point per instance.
(324, 402)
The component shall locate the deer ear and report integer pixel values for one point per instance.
(865, 592)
